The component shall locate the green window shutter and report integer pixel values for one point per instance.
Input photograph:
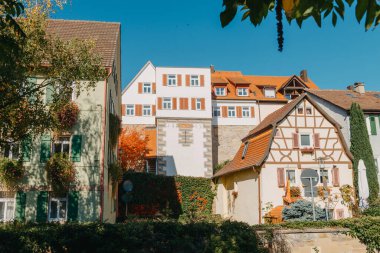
(373, 125)
(49, 94)
(76, 148)
(20, 206)
(26, 149)
(72, 209)
(34, 81)
(45, 148)
(42, 206)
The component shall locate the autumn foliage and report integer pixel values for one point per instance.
(133, 144)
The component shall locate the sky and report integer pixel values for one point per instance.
(189, 34)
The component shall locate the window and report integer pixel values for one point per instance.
(57, 209)
(216, 111)
(323, 174)
(12, 151)
(242, 91)
(172, 80)
(291, 176)
(305, 140)
(372, 123)
(220, 91)
(146, 110)
(308, 111)
(62, 145)
(269, 92)
(244, 150)
(198, 104)
(147, 88)
(167, 104)
(231, 111)
(7, 209)
(288, 96)
(194, 80)
(130, 110)
(245, 112)
(300, 110)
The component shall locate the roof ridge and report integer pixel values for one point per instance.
(84, 21)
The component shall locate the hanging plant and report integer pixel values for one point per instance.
(114, 129)
(60, 173)
(67, 115)
(321, 191)
(295, 192)
(11, 172)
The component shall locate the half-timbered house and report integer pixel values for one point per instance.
(272, 156)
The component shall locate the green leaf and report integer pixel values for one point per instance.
(334, 19)
(371, 14)
(350, 2)
(360, 9)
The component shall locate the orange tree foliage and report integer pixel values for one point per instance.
(133, 145)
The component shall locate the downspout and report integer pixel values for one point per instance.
(259, 191)
(258, 103)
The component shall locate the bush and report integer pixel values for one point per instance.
(373, 209)
(67, 116)
(11, 172)
(302, 210)
(114, 129)
(60, 173)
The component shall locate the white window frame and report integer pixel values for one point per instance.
(194, 81)
(147, 88)
(59, 200)
(6, 200)
(308, 108)
(295, 176)
(245, 112)
(172, 80)
(11, 149)
(130, 110)
(167, 104)
(220, 91)
(66, 141)
(327, 174)
(198, 104)
(243, 155)
(147, 108)
(216, 112)
(267, 89)
(242, 92)
(310, 138)
(232, 111)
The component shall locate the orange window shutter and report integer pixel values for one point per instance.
(280, 177)
(174, 101)
(122, 110)
(186, 103)
(159, 103)
(202, 80)
(164, 79)
(140, 88)
(224, 111)
(252, 112)
(192, 103)
(317, 141)
(239, 111)
(179, 77)
(335, 177)
(203, 104)
(138, 109)
(295, 140)
(153, 110)
(154, 88)
(187, 80)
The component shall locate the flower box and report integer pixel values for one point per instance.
(307, 150)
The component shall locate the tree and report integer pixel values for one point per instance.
(361, 150)
(133, 145)
(302, 210)
(63, 65)
(257, 11)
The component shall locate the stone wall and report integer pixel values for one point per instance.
(315, 241)
(226, 141)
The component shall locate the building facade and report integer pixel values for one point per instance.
(87, 144)
(273, 155)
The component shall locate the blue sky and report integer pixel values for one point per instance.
(188, 33)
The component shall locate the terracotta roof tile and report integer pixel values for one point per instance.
(369, 101)
(105, 35)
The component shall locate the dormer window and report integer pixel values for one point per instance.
(269, 92)
(244, 150)
(242, 92)
(219, 91)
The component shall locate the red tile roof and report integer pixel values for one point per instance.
(105, 35)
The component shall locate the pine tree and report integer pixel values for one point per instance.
(361, 150)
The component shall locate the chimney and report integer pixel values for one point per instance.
(350, 87)
(304, 76)
(212, 68)
(359, 87)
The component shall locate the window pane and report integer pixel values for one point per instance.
(291, 176)
(66, 148)
(57, 147)
(305, 140)
(2, 210)
(10, 210)
(53, 209)
(62, 209)
(7, 150)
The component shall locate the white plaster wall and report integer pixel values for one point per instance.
(266, 108)
(235, 121)
(374, 139)
(185, 160)
(184, 91)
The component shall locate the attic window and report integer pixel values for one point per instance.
(269, 92)
(244, 150)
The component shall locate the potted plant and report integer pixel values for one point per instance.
(307, 150)
(60, 173)
(295, 192)
(11, 172)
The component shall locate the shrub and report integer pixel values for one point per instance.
(60, 173)
(302, 210)
(67, 115)
(373, 209)
(295, 191)
(11, 172)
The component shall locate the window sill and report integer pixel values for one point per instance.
(307, 150)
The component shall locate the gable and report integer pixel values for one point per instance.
(146, 74)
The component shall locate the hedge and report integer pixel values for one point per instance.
(139, 237)
(168, 196)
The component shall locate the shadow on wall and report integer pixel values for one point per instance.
(168, 163)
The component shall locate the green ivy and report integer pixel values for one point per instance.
(114, 129)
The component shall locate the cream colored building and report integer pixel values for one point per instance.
(298, 136)
(87, 144)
